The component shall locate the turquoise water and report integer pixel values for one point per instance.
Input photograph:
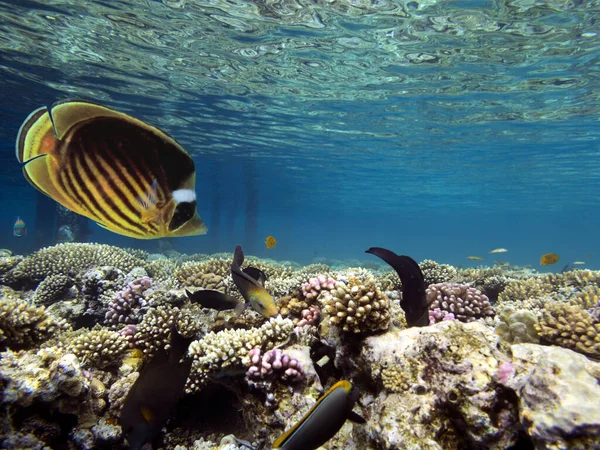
(439, 129)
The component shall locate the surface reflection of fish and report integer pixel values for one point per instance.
(549, 258)
(323, 420)
(155, 392)
(128, 176)
(251, 289)
(270, 242)
(19, 228)
(414, 300)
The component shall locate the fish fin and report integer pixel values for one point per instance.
(239, 309)
(238, 256)
(256, 274)
(70, 112)
(238, 260)
(101, 225)
(36, 127)
(37, 172)
(356, 418)
(146, 414)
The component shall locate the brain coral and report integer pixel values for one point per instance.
(70, 259)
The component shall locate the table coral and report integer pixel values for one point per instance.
(70, 259)
(465, 302)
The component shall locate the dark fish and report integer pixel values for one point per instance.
(161, 382)
(323, 420)
(414, 300)
(212, 299)
(252, 291)
(257, 274)
(130, 177)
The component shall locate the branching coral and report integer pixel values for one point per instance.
(272, 363)
(227, 350)
(434, 272)
(99, 348)
(125, 306)
(570, 326)
(358, 306)
(465, 302)
(70, 259)
(52, 289)
(23, 325)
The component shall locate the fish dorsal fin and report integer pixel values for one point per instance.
(68, 113)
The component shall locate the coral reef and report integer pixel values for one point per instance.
(70, 259)
(463, 301)
(80, 321)
(357, 306)
(23, 325)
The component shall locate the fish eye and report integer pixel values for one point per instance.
(261, 305)
(184, 211)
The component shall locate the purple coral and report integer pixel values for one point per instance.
(273, 363)
(121, 309)
(313, 288)
(437, 315)
(465, 302)
(129, 334)
(310, 316)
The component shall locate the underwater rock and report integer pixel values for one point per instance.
(559, 392)
(436, 378)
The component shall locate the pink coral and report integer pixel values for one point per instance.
(273, 363)
(438, 315)
(121, 309)
(465, 302)
(310, 316)
(505, 371)
(313, 288)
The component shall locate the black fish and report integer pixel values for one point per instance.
(212, 299)
(414, 301)
(252, 290)
(150, 400)
(257, 274)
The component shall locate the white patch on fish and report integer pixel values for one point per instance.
(184, 196)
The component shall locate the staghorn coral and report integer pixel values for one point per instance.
(98, 347)
(465, 302)
(225, 352)
(588, 298)
(570, 326)
(23, 325)
(358, 306)
(52, 289)
(70, 259)
(574, 278)
(523, 290)
(434, 272)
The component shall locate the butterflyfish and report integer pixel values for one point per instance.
(323, 420)
(499, 250)
(155, 393)
(128, 176)
(414, 301)
(549, 258)
(270, 242)
(19, 228)
(475, 258)
(252, 290)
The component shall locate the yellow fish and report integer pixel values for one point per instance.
(499, 250)
(475, 258)
(549, 258)
(128, 176)
(270, 242)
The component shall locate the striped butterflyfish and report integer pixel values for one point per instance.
(323, 420)
(126, 175)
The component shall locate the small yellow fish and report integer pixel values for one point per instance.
(475, 258)
(549, 258)
(270, 242)
(499, 250)
(579, 262)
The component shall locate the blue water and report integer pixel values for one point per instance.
(436, 129)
